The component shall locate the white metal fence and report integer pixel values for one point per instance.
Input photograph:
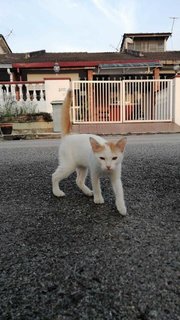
(122, 101)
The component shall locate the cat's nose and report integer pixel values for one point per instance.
(108, 167)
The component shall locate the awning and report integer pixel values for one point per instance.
(131, 65)
(128, 68)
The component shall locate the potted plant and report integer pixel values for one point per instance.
(13, 114)
(6, 128)
(7, 111)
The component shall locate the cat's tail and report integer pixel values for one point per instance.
(65, 114)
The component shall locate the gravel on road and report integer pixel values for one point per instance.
(67, 259)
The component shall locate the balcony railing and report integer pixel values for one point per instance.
(24, 92)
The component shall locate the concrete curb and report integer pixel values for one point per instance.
(54, 135)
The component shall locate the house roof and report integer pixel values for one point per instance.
(4, 44)
(164, 35)
(42, 59)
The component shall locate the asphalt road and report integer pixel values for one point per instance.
(71, 259)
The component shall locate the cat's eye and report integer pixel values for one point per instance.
(102, 158)
(114, 158)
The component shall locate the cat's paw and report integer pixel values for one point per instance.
(98, 200)
(58, 193)
(89, 193)
(122, 209)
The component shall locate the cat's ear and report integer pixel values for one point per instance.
(96, 146)
(121, 144)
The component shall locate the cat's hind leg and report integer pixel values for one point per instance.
(61, 173)
(80, 181)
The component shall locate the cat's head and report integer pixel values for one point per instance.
(108, 155)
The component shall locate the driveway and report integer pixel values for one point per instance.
(71, 259)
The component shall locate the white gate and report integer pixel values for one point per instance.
(122, 101)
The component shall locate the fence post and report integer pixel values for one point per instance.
(123, 104)
(177, 100)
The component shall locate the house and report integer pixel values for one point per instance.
(4, 66)
(141, 55)
(145, 42)
(140, 101)
(35, 66)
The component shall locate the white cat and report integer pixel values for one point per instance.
(80, 152)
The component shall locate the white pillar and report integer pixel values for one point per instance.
(177, 100)
(55, 89)
(10, 74)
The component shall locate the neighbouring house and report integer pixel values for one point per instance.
(4, 66)
(145, 42)
(142, 56)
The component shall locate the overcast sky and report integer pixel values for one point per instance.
(84, 25)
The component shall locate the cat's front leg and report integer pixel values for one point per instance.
(119, 194)
(98, 198)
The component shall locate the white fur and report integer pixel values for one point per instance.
(76, 153)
